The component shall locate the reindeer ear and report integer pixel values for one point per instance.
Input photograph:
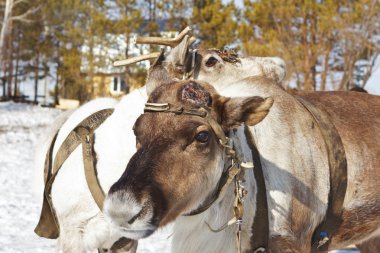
(157, 75)
(178, 54)
(250, 111)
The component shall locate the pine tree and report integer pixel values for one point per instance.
(215, 23)
(309, 33)
(79, 30)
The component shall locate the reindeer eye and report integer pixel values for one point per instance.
(211, 62)
(203, 136)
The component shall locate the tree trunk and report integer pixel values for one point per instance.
(5, 26)
(16, 91)
(10, 65)
(4, 82)
(91, 70)
(313, 50)
(36, 72)
(347, 75)
(127, 72)
(56, 87)
(306, 56)
(326, 63)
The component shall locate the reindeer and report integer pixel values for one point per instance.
(83, 226)
(180, 162)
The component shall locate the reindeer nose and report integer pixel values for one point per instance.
(123, 208)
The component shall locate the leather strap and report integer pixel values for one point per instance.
(338, 176)
(87, 137)
(260, 227)
(48, 225)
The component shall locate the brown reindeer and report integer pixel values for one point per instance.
(179, 163)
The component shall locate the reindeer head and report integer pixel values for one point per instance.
(179, 160)
(217, 67)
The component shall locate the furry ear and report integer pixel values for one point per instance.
(250, 111)
(157, 75)
(178, 54)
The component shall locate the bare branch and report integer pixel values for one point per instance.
(136, 59)
(23, 16)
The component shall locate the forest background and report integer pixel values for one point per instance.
(327, 44)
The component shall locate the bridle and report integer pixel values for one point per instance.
(233, 168)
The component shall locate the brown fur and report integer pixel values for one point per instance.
(356, 222)
(370, 246)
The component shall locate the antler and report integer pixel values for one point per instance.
(136, 59)
(171, 42)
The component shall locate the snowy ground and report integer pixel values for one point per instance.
(20, 127)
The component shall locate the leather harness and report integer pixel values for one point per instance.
(84, 134)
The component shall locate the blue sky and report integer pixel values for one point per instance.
(238, 3)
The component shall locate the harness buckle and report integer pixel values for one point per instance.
(323, 239)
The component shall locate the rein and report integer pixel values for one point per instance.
(83, 134)
(233, 169)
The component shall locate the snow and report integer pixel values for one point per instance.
(20, 128)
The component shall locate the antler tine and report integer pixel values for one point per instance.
(171, 42)
(136, 59)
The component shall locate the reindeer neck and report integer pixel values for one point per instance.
(193, 233)
(293, 157)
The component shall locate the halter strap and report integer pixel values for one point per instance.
(200, 112)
